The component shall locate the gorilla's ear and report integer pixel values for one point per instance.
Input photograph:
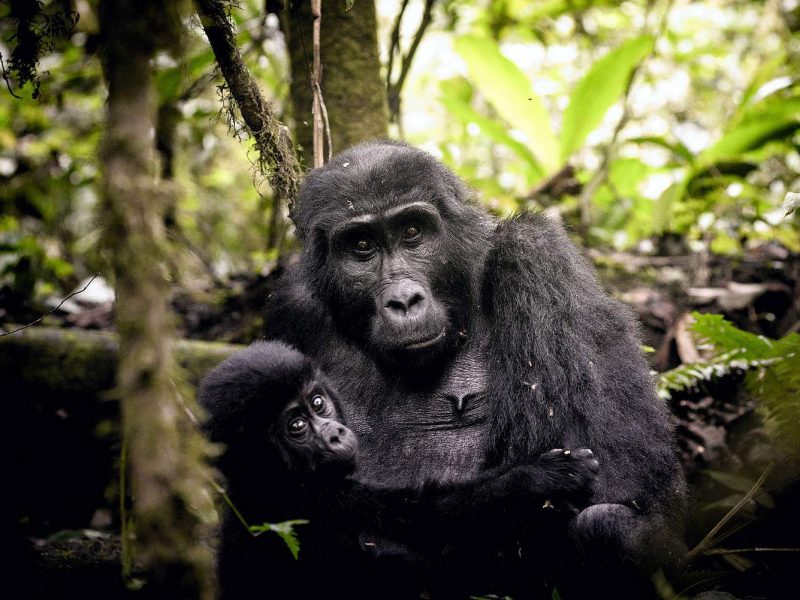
(315, 253)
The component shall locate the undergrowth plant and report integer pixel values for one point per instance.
(772, 373)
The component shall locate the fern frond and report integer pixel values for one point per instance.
(772, 367)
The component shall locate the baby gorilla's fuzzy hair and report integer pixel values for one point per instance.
(244, 397)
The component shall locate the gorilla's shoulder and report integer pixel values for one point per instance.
(531, 251)
(533, 236)
(295, 315)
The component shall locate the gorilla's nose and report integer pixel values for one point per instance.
(406, 298)
(335, 435)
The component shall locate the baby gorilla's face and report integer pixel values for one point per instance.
(313, 435)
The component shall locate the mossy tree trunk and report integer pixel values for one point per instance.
(354, 93)
(165, 451)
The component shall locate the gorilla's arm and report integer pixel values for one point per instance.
(500, 499)
(565, 359)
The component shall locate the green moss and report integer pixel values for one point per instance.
(74, 361)
(354, 93)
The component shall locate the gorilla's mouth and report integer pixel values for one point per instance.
(425, 343)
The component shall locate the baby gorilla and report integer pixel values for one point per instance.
(288, 454)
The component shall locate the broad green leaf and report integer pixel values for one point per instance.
(509, 91)
(774, 107)
(748, 135)
(496, 131)
(729, 502)
(762, 76)
(599, 89)
(626, 174)
(741, 484)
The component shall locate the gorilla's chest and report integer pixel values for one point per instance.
(408, 435)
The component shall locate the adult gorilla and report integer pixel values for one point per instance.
(460, 343)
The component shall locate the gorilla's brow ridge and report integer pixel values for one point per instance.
(386, 215)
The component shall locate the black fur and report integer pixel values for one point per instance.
(274, 476)
(536, 356)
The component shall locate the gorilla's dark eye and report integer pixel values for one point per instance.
(297, 426)
(411, 232)
(318, 403)
(363, 246)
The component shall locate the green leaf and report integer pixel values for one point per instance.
(498, 133)
(762, 76)
(627, 174)
(749, 135)
(677, 149)
(773, 376)
(663, 206)
(286, 532)
(599, 89)
(726, 338)
(509, 92)
(735, 482)
(741, 484)
(725, 244)
(169, 81)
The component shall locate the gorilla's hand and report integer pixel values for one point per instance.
(560, 478)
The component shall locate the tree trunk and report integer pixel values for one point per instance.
(165, 451)
(352, 88)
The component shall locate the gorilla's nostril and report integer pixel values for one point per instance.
(397, 306)
(415, 300)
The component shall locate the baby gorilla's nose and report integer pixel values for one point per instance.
(336, 434)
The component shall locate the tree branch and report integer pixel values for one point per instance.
(277, 159)
(394, 44)
(393, 89)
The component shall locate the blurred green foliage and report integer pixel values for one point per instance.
(680, 118)
(49, 171)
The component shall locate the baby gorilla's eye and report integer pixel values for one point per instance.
(297, 426)
(411, 232)
(318, 403)
(363, 246)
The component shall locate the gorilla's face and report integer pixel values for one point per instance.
(388, 268)
(394, 250)
(311, 434)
